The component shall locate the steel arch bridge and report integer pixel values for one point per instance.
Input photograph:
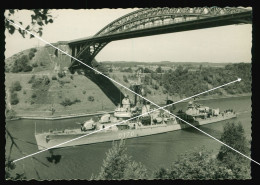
(153, 21)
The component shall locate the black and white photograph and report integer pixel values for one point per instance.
(128, 93)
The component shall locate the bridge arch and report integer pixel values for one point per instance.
(151, 21)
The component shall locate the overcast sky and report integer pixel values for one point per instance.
(221, 44)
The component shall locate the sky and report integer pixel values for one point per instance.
(221, 44)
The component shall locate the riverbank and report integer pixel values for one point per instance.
(222, 97)
(69, 115)
(60, 116)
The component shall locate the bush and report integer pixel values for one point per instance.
(27, 68)
(31, 55)
(41, 64)
(61, 74)
(155, 86)
(36, 82)
(24, 91)
(68, 102)
(84, 92)
(16, 86)
(35, 65)
(20, 64)
(14, 99)
(32, 79)
(9, 114)
(125, 79)
(91, 98)
(54, 78)
(34, 95)
(33, 50)
(71, 77)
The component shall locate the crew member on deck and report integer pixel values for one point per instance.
(126, 103)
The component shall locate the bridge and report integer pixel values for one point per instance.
(154, 21)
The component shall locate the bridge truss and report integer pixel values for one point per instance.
(152, 21)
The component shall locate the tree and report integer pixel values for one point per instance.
(21, 64)
(39, 18)
(31, 55)
(199, 164)
(118, 165)
(16, 86)
(234, 136)
(159, 69)
(146, 70)
(14, 98)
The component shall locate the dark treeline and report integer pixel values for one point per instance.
(184, 82)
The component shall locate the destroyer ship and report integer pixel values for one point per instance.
(156, 122)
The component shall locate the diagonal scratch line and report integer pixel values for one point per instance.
(132, 92)
(124, 121)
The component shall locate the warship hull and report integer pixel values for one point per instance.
(50, 140)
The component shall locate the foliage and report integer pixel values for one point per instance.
(196, 165)
(84, 91)
(159, 69)
(125, 79)
(35, 65)
(118, 165)
(21, 64)
(27, 68)
(68, 102)
(33, 50)
(31, 55)
(10, 114)
(61, 74)
(185, 82)
(34, 95)
(234, 136)
(128, 70)
(202, 164)
(91, 98)
(146, 90)
(40, 81)
(155, 86)
(14, 98)
(16, 86)
(147, 80)
(32, 79)
(146, 70)
(54, 77)
(39, 18)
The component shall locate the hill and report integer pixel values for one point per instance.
(38, 82)
(49, 84)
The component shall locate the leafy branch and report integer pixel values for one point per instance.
(39, 18)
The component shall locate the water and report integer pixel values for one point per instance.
(155, 151)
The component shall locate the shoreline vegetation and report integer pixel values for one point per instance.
(48, 90)
(73, 115)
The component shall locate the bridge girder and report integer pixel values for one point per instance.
(155, 18)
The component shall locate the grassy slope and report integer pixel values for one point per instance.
(55, 93)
